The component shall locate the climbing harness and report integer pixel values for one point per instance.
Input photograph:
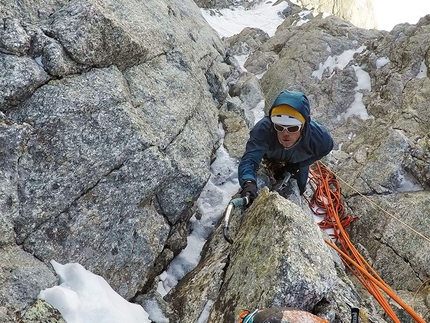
(326, 200)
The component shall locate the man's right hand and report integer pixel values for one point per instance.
(249, 189)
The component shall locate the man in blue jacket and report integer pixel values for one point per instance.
(288, 136)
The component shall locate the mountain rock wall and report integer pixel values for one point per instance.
(109, 115)
(368, 87)
(108, 127)
(358, 12)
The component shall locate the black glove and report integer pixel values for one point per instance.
(250, 189)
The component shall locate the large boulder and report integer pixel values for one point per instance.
(108, 125)
(278, 258)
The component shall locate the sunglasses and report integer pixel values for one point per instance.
(291, 129)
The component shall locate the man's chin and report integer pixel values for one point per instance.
(287, 143)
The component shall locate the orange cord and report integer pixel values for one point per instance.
(326, 202)
(242, 315)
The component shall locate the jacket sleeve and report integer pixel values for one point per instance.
(256, 147)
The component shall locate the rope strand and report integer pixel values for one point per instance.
(380, 208)
(326, 202)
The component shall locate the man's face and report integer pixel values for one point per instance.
(286, 138)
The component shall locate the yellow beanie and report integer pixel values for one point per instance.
(284, 109)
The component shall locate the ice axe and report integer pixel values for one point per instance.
(240, 201)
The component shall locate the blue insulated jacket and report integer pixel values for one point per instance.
(314, 143)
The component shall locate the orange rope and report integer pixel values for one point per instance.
(326, 202)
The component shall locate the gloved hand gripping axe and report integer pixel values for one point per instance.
(240, 201)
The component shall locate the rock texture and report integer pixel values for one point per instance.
(109, 114)
(380, 150)
(107, 133)
(359, 13)
(278, 257)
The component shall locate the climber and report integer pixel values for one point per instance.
(285, 140)
(279, 315)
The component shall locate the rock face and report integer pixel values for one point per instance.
(378, 134)
(216, 4)
(277, 258)
(358, 12)
(109, 118)
(107, 134)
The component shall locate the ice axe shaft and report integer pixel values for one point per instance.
(240, 201)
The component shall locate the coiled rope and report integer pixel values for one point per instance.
(326, 202)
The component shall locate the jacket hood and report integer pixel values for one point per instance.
(296, 100)
(299, 102)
